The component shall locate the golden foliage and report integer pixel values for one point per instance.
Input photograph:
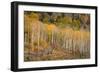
(51, 27)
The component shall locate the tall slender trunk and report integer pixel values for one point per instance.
(32, 38)
(52, 37)
(38, 36)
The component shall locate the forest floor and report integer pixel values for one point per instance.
(57, 54)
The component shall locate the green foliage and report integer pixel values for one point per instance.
(65, 21)
(76, 24)
(45, 18)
